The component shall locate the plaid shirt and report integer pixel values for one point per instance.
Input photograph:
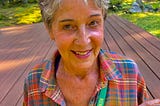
(126, 86)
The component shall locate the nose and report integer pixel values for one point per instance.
(83, 36)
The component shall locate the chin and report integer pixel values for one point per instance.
(84, 65)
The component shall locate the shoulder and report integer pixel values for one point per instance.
(117, 58)
(35, 74)
(124, 64)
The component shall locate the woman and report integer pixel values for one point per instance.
(80, 73)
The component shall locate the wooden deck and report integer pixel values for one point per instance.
(24, 46)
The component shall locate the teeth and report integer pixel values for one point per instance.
(81, 53)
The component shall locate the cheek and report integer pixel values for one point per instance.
(62, 45)
(63, 41)
(97, 37)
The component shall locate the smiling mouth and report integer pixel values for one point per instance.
(82, 54)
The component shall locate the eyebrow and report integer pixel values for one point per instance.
(95, 15)
(67, 20)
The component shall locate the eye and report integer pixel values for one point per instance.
(69, 27)
(93, 23)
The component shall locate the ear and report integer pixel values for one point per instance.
(49, 31)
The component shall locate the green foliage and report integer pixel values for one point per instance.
(15, 2)
(32, 1)
(154, 4)
(28, 15)
(3, 17)
(115, 2)
(20, 14)
(128, 1)
(149, 21)
(115, 5)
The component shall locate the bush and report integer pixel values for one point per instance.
(115, 5)
(2, 17)
(115, 2)
(32, 1)
(128, 1)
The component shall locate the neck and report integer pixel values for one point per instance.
(78, 72)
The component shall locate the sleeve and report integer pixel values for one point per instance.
(25, 93)
(142, 93)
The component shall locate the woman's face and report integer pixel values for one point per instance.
(77, 30)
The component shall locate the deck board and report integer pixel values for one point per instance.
(147, 63)
(17, 58)
(139, 49)
(111, 42)
(146, 44)
(148, 52)
(18, 90)
(24, 46)
(149, 37)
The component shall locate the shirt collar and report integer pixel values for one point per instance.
(48, 84)
(107, 66)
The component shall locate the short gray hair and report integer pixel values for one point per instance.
(49, 7)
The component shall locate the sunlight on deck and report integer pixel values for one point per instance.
(14, 63)
(10, 31)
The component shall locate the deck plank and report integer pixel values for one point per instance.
(149, 76)
(124, 46)
(149, 37)
(13, 57)
(111, 42)
(18, 88)
(14, 75)
(146, 44)
(148, 58)
(12, 42)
